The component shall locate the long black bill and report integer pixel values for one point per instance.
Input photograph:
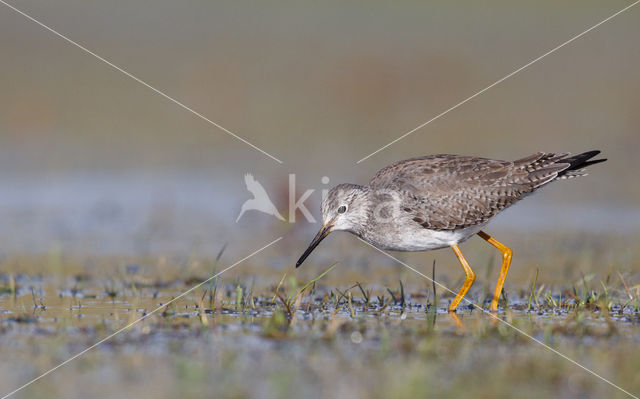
(324, 231)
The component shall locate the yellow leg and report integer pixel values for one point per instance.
(468, 280)
(507, 253)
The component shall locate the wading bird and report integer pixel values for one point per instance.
(439, 201)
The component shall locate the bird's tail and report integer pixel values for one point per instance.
(577, 164)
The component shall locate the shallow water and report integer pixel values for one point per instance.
(254, 348)
(153, 213)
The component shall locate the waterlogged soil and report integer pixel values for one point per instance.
(243, 336)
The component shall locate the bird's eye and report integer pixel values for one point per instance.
(342, 209)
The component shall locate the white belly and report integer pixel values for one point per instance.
(419, 239)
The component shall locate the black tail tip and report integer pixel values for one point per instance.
(582, 160)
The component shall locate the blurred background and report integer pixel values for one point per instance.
(92, 162)
(114, 200)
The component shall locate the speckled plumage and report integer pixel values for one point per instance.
(450, 192)
(439, 201)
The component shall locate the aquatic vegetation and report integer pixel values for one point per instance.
(268, 333)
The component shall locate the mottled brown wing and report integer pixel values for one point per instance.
(447, 192)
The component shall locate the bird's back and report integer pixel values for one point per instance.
(449, 192)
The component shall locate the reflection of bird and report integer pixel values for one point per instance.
(260, 201)
(440, 201)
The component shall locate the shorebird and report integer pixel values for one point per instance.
(439, 201)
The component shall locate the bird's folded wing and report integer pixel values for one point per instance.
(447, 192)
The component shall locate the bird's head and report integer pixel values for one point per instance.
(344, 208)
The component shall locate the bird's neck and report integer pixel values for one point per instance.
(361, 211)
